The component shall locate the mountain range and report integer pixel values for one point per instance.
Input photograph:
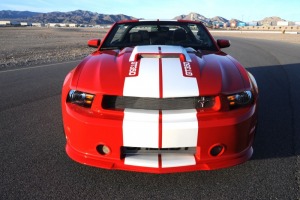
(77, 16)
(198, 17)
(93, 18)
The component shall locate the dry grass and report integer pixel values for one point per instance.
(25, 46)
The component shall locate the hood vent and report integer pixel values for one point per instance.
(159, 51)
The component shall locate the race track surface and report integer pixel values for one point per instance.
(34, 164)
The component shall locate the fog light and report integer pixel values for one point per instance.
(217, 150)
(103, 150)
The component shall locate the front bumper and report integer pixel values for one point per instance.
(233, 130)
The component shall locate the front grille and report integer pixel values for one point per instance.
(111, 102)
(140, 150)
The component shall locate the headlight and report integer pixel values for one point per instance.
(240, 99)
(80, 98)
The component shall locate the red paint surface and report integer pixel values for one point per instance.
(104, 72)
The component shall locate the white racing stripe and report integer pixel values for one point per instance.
(179, 127)
(140, 128)
(177, 160)
(146, 84)
(174, 83)
(142, 160)
(167, 160)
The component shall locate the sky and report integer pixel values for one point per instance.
(244, 10)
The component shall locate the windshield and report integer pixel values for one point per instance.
(184, 34)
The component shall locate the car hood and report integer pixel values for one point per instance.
(160, 72)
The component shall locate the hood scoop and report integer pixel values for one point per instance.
(159, 51)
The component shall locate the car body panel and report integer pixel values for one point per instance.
(219, 67)
(159, 139)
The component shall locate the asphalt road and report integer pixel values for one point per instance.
(34, 164)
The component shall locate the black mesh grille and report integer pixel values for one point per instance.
(121, 102)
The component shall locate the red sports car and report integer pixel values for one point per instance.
(160, 97)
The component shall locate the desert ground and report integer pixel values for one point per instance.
(30, 46)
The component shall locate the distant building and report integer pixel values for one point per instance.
(285, 23)
(15, 23)
(36, 24)
(253, 23)
(226, 24)
(5, 23)
(25, 24)
(10, 23)
(266, 23)
(241, 24)
(233, 24)
(217, 24)
(52, 25)
(73, 25)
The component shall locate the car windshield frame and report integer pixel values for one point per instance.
(187, 34)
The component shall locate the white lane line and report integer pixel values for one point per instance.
(40, 66)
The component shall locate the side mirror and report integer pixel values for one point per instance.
(95, 43)
(223, 43)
